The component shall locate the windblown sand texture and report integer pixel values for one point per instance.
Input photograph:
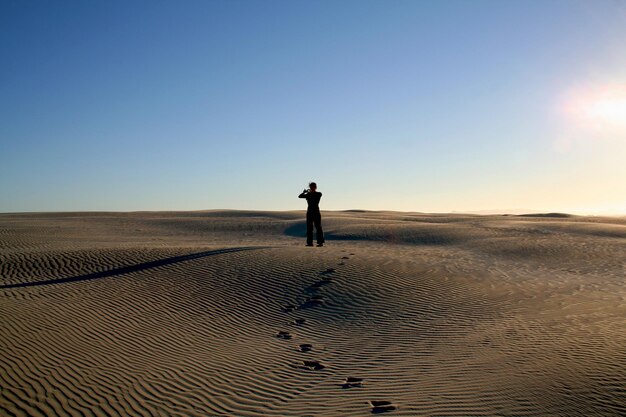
(228, 313)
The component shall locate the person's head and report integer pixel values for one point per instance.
(313, 186)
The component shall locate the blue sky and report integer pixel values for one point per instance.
(430, 106)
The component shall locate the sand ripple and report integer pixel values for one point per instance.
(134, 314)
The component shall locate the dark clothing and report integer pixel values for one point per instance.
(313, 217)
(313, 200)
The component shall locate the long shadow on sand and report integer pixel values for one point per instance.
(132, 268)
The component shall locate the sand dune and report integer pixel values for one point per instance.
(227, 313)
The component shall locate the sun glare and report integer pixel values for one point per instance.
(600, 109)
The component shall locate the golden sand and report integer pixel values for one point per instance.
(228, 313)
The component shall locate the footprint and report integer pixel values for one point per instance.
(345, 257)
(313, 301)
(320, 283)
(381, 406)
(288, 308)
(341, 263)
(305, 347)
(283, 335)
(298, 322)
(313, 365)
(328, 271)
(352, 382)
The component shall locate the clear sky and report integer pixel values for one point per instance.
(431, 106)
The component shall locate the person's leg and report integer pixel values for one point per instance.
(318, 229)
(309, 229)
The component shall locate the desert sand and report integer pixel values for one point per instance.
(228, 313)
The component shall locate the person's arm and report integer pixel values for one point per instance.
(303, 195)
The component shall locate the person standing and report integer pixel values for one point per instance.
(313, 215)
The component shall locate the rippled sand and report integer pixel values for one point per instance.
(227, 313)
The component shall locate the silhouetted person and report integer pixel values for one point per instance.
(313, 215)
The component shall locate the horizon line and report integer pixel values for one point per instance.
(487, 212)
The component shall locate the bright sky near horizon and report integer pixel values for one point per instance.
(432, 106)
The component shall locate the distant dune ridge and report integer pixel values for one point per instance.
(227, 313)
